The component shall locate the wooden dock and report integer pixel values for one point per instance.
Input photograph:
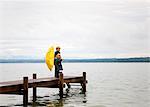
(20, 87)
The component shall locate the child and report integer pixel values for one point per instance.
(57, 62)
(58, 52)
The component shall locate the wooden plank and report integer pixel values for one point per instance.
(17, 82)
(13, 86)
(74, 80)
(9, 89)
(9, 83)
(47, 84)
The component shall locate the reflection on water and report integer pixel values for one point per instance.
(109, 85)
(53, 100)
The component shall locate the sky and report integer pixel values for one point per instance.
(82, 28)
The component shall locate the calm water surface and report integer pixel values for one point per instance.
(109, 85)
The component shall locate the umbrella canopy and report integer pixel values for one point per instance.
(49, 59)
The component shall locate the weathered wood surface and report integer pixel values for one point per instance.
(61, 85)
(34, 89)
(21, 86)
(25, 91)
(52, 82)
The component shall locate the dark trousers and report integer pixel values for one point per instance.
(56, 72)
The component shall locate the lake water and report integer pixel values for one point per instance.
(109, 84)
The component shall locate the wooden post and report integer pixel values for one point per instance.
(34, 89)
(25, 91)
(61, 84)
(84, 82)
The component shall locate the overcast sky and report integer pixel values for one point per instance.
(83, 28)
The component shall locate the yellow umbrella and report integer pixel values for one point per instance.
(49, 59)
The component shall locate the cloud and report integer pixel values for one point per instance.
(85, 28)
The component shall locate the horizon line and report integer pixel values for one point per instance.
(140, 59)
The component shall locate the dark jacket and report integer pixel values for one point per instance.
(58, 66)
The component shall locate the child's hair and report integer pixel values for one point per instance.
(58, 55)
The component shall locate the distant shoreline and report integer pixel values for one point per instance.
(95, 60)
